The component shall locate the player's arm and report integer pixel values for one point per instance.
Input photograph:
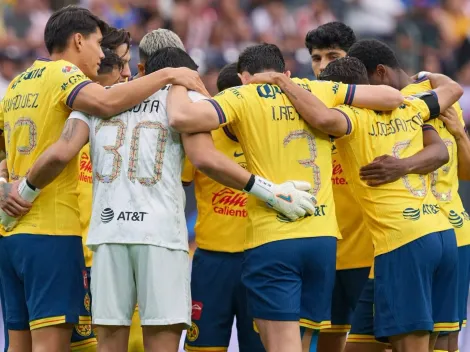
(186, 116)
(95, 100)
(386, 168)
(446, 92)
(4, 175)
(54, 160)
(455, 126)
(288, 198)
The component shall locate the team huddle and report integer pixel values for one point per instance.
(325, 206)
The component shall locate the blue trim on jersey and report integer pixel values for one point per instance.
(350, 94)
(229, 134)
(348, 121)
(220, 112)
(73, 94)
(43, 59)
(420, 80)
(428, 128)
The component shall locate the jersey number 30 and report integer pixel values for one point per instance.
(134, 152)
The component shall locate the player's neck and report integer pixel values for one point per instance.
(403, 79)
(67, 56)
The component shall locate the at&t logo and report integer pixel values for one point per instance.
(107, 215)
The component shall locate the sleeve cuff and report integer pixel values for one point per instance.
(348, 121)
(73, 94)
(220, 112)
(427, 127)
(348, 100)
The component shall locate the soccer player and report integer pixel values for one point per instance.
(218, 294)
(403, 216)
(139, 191)
(383, 68)
(355, 252)
(47, 299)
(328, 42)
(288, 267)
(153, 41)
(113, 68)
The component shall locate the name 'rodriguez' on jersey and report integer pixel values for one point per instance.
(138, 197)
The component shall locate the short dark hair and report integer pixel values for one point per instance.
(330, 35)
(372, 53)
(261, 57)
(111, 60)
(169, 57)
(347, 70)
(228, 77)
(68, 21)
(114, 38)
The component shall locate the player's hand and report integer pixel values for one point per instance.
(293, 200)
(188, 78)
(452, 122)
(11, 202)
(384, 169)
(267, 78)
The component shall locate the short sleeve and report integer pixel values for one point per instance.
(69, 79)
(352, 118)
(418, 106)
(230, 105)
(80, 116)
(187, 176)
(331, 93)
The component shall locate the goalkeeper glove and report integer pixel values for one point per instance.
(289, 198)
(26, 191)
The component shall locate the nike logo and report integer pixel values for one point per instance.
(285, 198)
(236, 155)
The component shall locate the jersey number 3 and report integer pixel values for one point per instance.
(134, 152)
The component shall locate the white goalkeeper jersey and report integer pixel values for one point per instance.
(137, 160)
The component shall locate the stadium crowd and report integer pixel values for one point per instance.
(427, 35)
(398, 278)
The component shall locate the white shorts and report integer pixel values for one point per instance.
(156, 278)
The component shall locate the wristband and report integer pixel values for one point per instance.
(27, 191)
(261, 188)
(3, 179)
(423, 74)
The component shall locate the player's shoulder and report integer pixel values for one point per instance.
(416, 87)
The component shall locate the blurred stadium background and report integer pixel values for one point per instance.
(431, 35)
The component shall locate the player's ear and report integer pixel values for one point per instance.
(381, 71)
(288, 73)
(141, 69)
(78, 41)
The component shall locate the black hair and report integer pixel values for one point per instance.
(114, 38)
(372, 53)
(111, 60)
(66, 22)
(347, 70)
(228, 77)
(169, 57)
(261, 57)
(330, 35)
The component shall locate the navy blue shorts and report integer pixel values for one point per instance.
(83, 336)
(416, 287)
(464, 282)
(218, 296)
(44, 281)
(349, 284)
(292, 280)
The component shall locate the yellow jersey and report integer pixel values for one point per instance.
(445, 181)
(32, 116)
(402, 211)
(280, 146)
(222, 215)
(85, 197)
(355, 250)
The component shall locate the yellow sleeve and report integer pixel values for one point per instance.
(330, 93)
(187, 176)
(418, 106)
(230, 105)
(352, 115)
(68, 80)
